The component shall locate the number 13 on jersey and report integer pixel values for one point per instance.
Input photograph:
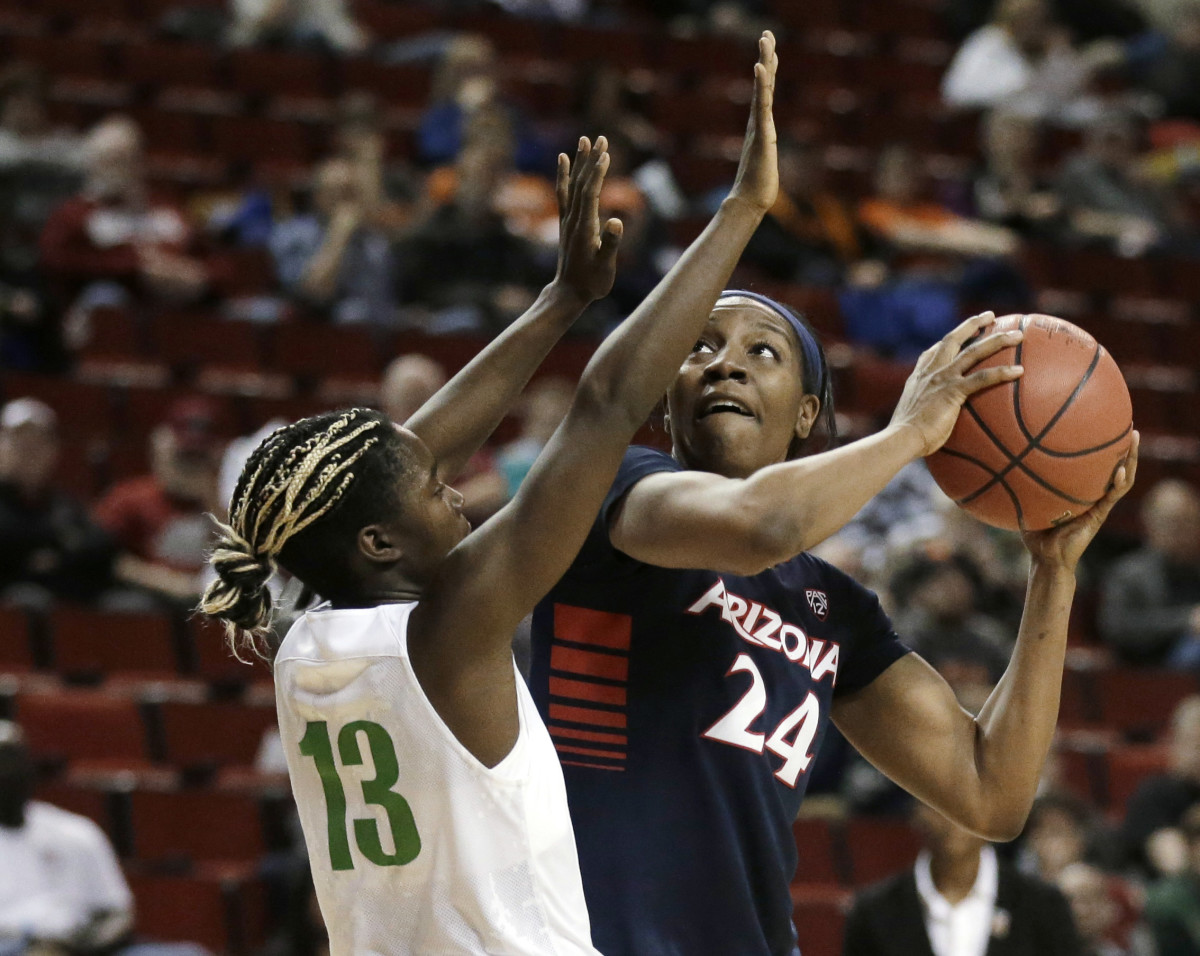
(317, 744)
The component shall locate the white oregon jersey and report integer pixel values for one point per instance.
(417, 847)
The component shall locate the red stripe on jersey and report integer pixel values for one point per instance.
(594, 736)
(586, 715)
(588, 663)
(584, 626)
(587, 763)
(588, 751)
(586, 690)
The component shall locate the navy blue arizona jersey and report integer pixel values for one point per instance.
(686, 707)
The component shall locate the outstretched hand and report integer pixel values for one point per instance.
(1065, 544)
(943, 380)
(587, 254)
(757, 181)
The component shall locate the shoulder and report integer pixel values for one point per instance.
(64, 827)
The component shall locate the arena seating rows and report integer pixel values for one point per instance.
(148, 726)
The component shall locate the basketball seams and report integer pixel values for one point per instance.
(1033, 442)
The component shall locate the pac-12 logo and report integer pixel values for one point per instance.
(818, 602)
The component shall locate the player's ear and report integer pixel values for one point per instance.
(377, 544)
(806, 416)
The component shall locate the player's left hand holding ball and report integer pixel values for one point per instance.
(1064, 545)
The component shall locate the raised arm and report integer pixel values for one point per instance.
(461, 631)
(982, 772)
(463, 414)
(694, 519)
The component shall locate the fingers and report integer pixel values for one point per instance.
(596, 180)
(960, 336)
(610, 240)
(764, 80)
(984, 348)
(1121, 483)
(986, 378)
(562, 191)
(585, 160)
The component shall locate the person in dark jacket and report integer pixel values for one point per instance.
(960, 900)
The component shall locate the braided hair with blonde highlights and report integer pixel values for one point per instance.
(303, 494)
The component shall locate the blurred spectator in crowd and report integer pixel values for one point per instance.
(959, 899)
(388, 185)
(524, 201)
(468, 80)
(1061, 830)
(566, 10)
(810, 234)
(1099, 901)
(61, 889)
(462, 262)
(906, 222)
(338, 260)
(1150, 833)
(26, 133)
(1025, 62)
(39, 168)
(1173, 903)
(1105, 194)
(1011, 192)
(1150, 599)
(161, 520)
(927, 258)
(541, 410)
(314, 24)
(1171, 71)
(49, 547)
(114, 232)
(936, 609)
(409, 382)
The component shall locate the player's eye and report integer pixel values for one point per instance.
(762, 348)
(701, 347)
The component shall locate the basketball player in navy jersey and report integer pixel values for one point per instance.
(690, 661)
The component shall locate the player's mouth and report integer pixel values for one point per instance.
(720, 405)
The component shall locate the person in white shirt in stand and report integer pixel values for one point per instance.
(61, 888)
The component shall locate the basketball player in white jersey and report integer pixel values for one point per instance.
(432, 802)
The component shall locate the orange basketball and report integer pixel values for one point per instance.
(1037, 451)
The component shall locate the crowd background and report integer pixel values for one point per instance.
(219, 216)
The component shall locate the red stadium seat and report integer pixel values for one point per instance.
(215, 663)
(818, 847)
(318, 351)
(272, 72)
(63, 56)
(399, 85)
(1126, 767)
(879, 847)
(116, 351)
(16, 648)
(1139, 703)
(94, 733)
(259, 140)
(390, 21)
(208, 736)
(83, 409)
(93, 644)
(159, 64)
(224, 911)
(222, 354)
(197, 826)
(820, 917)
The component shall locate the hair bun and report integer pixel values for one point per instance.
(239, 596)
